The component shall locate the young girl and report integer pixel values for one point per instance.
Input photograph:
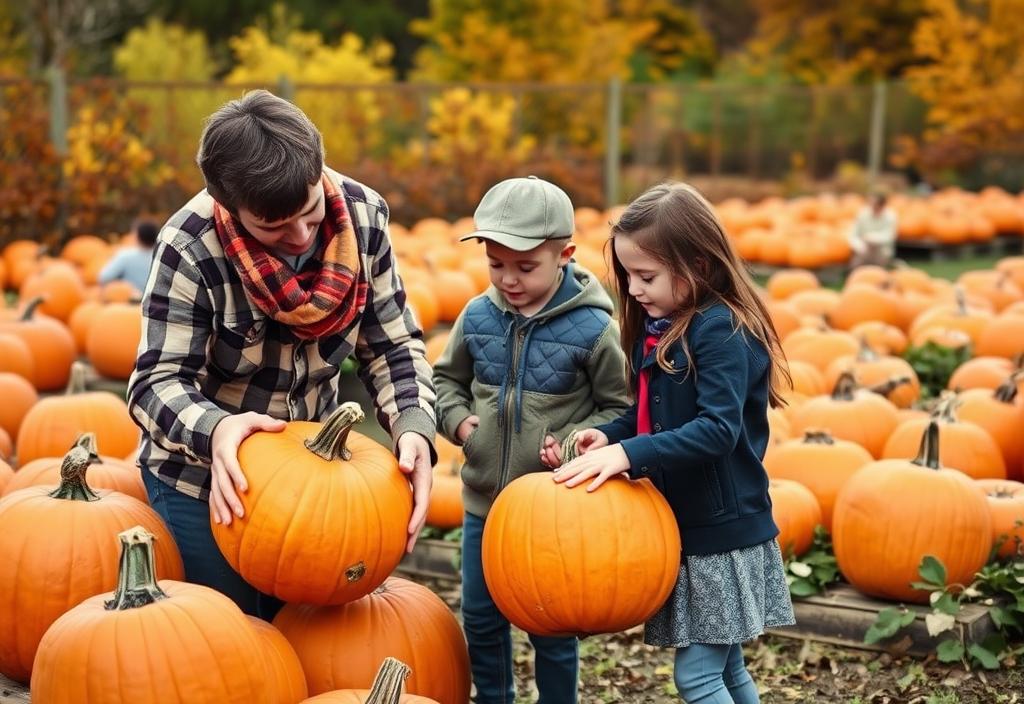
(706, 362)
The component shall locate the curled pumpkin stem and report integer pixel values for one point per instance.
(387, 685)
(845, 386)
(73, 467)
(136, 572)
(887, 387)
(818, 437)
(330, 443)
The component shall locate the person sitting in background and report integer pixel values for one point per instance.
(873, 238)
(133, 262)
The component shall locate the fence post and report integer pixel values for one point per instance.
(876, 139)
(612, 146)
(59, 140)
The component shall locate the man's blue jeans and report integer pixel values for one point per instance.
(189, 522)
(490, 638)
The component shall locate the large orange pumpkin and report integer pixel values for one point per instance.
(892, 513)
(890, 376)
(981, 373)
(51, 344)
(318, 494)
(881, 337)
(819, 462)
(103, 473)
(1006, 501)
(340, 647)
(1001, 415)
(820, 347)
(636, 562)
(283, 667)
(386, 689)
(783, 284)
(860, 303)
(1003, 336)
(172, 642)
(807, 379)
(15, 356)
(18, 396)
(960, 316)
(850, 413)
(60, 549)
(796, 513)
(113, 340)
(61, 288)
(965, 446)
(53, 424)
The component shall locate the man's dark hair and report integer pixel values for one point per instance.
(146, 233)
(261, 153)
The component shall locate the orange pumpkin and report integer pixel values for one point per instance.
(6, 474)
(960, 316)
(1003, 336)
(287, 680)
(965, 446)
(445, 510)
(862, 303)
(113, 340)
(981, 373)
(61, 288)
(850, 413)
(785, 317)
(435, 347)
(6, 446)
(79, 250)
(820, 301)
(18, 397)
(386, 689)
(1006, 501)
(340, 647)
(820, 347)
(523, 566)
(81, 321)
(424, 304)
(453, 289)
(154, 641)
(819, 462)
(53, 424)
(807, 379)
(892, 377)
(103, 473)
(881, 337)
(796, 513)
(51, 345)
(63, 540)
(783, 284)
(318, 494)
(892, 513)
(779, 427)
(1000, 415)
(15, 356)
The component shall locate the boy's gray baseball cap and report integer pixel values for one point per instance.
(522, 213)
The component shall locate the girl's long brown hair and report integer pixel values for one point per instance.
(675, 225)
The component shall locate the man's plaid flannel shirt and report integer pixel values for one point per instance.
(207, 352)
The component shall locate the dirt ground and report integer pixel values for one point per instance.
(620, 668)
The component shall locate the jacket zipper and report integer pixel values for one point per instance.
(510, 390)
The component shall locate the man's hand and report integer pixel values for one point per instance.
(225, 475)
(414, 460)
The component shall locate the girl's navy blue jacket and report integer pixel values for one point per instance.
(709, 432)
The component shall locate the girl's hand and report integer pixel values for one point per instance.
(551, 452)
(590, 439)
(601, 464)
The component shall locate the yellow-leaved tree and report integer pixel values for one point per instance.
(328, 80)
(972, 77)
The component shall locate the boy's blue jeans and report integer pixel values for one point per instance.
(189, 522)
(713, 674)
(490, 638)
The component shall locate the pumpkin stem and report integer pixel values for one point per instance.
(136, 572)
(1018, 362)
(76, 382)
(887, 387)
(329, 443)
(387, 685)
(30, 308)
(928, 453)
(818, 437)
(1007, 391)
(73, 486)
(866, 353)
(961, 300)
(569, 448)
(845, 386)
(945, 410)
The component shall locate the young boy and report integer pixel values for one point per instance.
(530, 360)
(262, 285)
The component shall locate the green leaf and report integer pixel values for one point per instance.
(946, 603)
(803, 587)
(932, 571)
(1004, 618)
(950, 650)
(986, 658)
(887, 624)
(927, 586)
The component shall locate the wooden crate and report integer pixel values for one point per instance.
(842, 616)
(438, 559)
(935, 251)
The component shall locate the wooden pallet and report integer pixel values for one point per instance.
(833, 274)
(933, 250)
(12, 693)
(841, 616)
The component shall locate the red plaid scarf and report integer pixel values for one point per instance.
(313, 303)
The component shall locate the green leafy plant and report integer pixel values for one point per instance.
(999, 586)
(934, 365)
(812, 572)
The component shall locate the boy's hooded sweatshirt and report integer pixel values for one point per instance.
(559, 370)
